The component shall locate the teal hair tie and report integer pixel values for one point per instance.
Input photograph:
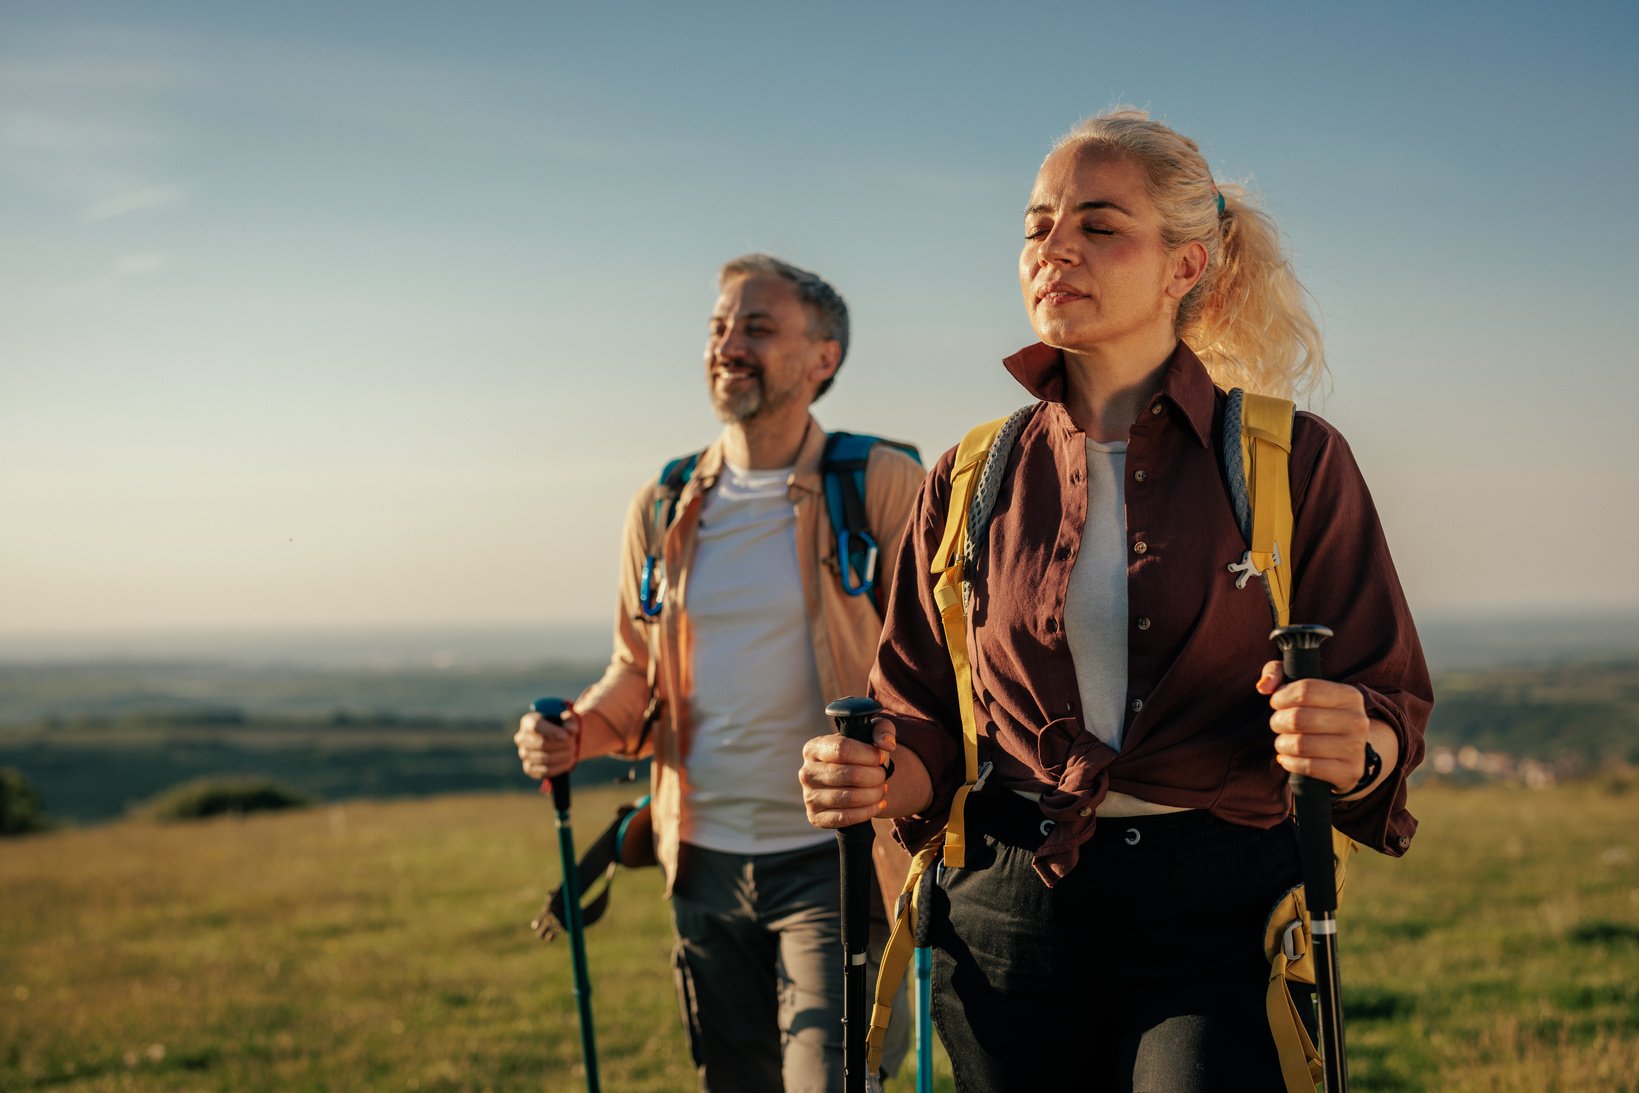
(1220, 196)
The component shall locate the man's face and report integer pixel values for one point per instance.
(760, 358)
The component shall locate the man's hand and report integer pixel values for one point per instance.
(547, 749)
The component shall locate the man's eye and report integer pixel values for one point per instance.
(1035, 233)
(1092, 229)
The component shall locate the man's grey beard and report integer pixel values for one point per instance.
(748, 406)
(740, 408)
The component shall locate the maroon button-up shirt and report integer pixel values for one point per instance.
(1197, 733)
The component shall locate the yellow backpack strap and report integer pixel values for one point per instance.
(950, 570)
(1257, 461)
(947, 594)
(896, 957)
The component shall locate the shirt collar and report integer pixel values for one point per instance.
(806, 474)
(1186, 386)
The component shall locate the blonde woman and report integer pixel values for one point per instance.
(1133, 833)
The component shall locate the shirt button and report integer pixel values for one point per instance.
(1084, 811)
(1137, 704)
(1140, 547)
(1155, 408)
(1143, 622)
(1405, 841)
(1139, 476)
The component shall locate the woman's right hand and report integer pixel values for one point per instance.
(844, 782)
(545, 748)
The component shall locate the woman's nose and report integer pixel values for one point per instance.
(1056, 248)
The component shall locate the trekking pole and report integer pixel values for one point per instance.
(1300, 659)
(553, 710)
(924, 983)
(854, 717)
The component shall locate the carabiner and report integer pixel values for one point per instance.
(845, 563)
(651, 598)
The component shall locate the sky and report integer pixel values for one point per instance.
(375, 315)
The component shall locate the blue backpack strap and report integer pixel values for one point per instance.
(842, 467)
(673, 477)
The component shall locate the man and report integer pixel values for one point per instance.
(753, 635)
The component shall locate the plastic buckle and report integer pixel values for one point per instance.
(1288, 944)
(846, 564)
(650, 598)
(979, 782)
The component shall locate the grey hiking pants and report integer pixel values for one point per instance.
(759, 970)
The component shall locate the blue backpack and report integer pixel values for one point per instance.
(842, 468)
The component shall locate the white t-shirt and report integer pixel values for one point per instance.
(1095, 612)
(756, 697)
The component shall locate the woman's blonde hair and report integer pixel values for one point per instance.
(1248, 317)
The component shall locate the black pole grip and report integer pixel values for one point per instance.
(553, 710)
(854, 717)
(1312, 799)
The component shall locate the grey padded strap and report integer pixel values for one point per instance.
(984, 495)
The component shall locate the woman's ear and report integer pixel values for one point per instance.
(1188, 264)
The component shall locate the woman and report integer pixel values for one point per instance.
(1132, 834)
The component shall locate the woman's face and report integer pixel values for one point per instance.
(1095, 273)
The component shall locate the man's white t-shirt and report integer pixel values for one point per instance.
(756, 697)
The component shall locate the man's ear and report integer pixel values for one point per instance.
(826, 361)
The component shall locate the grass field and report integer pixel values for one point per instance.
(386, 946)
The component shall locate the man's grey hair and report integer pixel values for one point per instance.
(827, 313)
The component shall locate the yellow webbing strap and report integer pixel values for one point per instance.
(947, 595)
(1266, 445)
(1290, 949)
(1287, 944)
(896, 957)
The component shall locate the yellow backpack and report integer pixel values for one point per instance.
(1257, 447)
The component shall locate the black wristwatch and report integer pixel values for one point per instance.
(1374, 767)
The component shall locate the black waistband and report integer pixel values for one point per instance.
(1017, 821)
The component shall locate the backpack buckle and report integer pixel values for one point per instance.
(1289, 939)
(855, 586)
(984, 772)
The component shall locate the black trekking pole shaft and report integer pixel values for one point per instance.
(553, 710)
(854, 717)
(1312, 799)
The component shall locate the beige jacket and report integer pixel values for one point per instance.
(845, 629)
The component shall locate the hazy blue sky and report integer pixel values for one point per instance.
(376, 314)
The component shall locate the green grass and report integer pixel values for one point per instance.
(386, 946)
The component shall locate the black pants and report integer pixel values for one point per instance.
(1140, 972)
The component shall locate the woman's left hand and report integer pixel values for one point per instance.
(1320, 727)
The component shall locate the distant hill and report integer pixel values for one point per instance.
(1586, 715)
(98, 737)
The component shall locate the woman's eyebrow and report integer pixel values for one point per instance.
(1085, 206)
